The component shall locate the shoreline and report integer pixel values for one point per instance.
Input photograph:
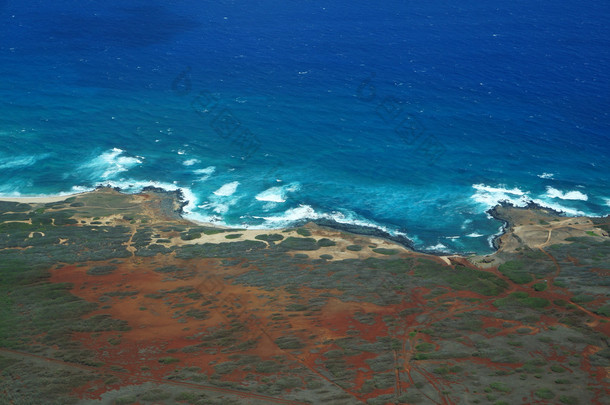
(179, 203)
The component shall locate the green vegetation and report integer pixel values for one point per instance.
(383, 251)
(304, 232)
(460, 278)
(325, 242)
(582, 298)
(101, 270)
(499, 386)
(289, 342)
(273, 237)
(514, 270)
(425, 347)
(604, 310)
(190, 235)
(416, 306)
(540, 286)
(545, 393)
(568, 399)
(522, 299)
(168, 360)
(293, 243)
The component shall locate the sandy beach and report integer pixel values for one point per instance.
(39, 199)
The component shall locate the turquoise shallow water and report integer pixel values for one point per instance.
(414, 118)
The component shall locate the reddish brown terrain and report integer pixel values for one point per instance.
(177, 312)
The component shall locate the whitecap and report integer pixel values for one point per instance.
(561, 208)
(227, 189)
(569, 195)
(190, 162)
(110, 163)
(77, 190)
(306, 212)
(277, 194)
(546, 175)
(474, 235)
(439, 247)
(491, 196)
(466, 223)
(221, 200)
(208, 170)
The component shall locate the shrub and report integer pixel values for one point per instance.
(101, 270)
(513, 269)
(544, 393)
(540, 286)
(271, 237)
(567, 399)
(292, 243)
(304, 232)
(388, 252)
(168, 360)
(325, 242)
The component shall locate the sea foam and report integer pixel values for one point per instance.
(491, 196)
(205, 173)
(227, 189)
(568, 195)
(190, 162)
(306, 212)
(277, 194)
(110, 163)
(20, 161)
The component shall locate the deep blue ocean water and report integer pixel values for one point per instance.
(414, 117)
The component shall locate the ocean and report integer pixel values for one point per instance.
(411, 117)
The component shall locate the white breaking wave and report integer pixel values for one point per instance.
(110, 163)
(306, 212)
(607, 201)
(491, 196)
(474, 235)
(546, 175)
(557, 207)
(227, 189)
(439, 247)
(221, 200)
(569, 195)
(277, 194)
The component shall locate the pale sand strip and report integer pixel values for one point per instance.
(39, 199)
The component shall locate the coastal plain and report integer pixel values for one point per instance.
(112, 298)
